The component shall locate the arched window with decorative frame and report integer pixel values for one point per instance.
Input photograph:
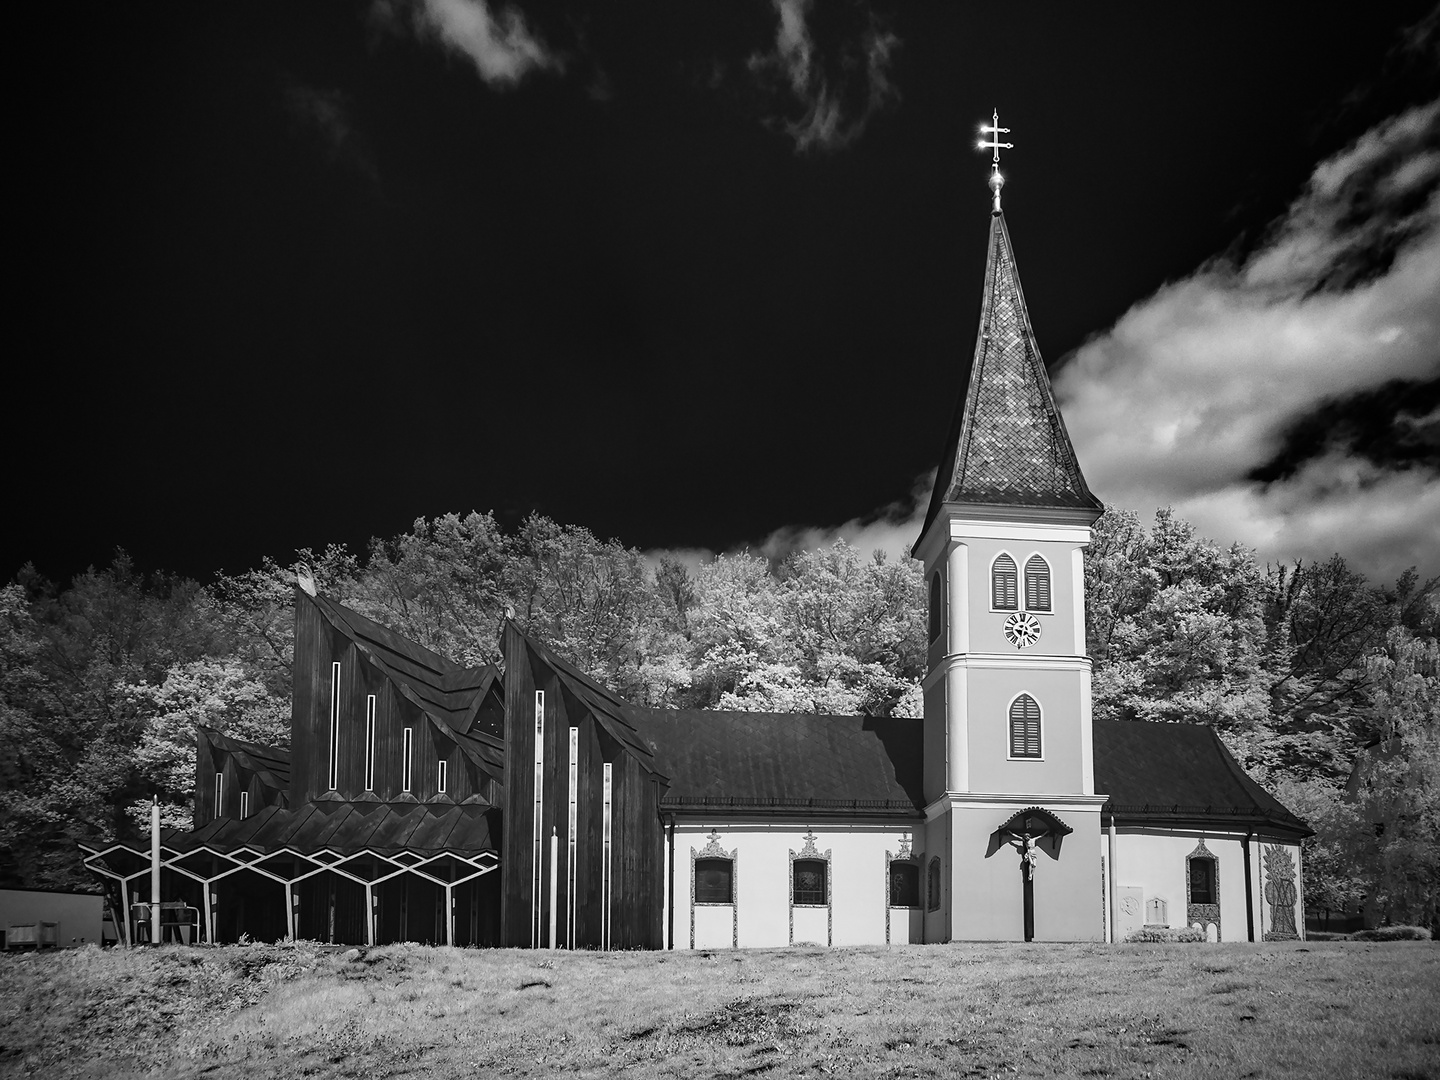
(1004, 584)
(1037, 584)
(1025, 727)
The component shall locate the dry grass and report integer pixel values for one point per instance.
(1277, 1010)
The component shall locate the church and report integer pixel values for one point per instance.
(532, 807)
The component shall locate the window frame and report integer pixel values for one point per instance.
(244, 805)
(219, 794)
(912, 867)
(1010, 729)
(1049, 609)
(333, 774)
(729, 862)
(1015, 568)
(407, 759)
(810, 861)
(1211, 879)
(370, 742)
(442, 776)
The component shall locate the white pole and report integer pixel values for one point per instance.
(1113, 877)
(554, 879)
(155, 870)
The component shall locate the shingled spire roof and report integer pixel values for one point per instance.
(1007, 444)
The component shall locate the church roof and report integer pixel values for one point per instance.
(756, 762)
(1180, 774)
(465, 704)
(269, 764)
(1007, 444)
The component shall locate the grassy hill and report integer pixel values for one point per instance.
(1338, 1009)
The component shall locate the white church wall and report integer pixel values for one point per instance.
(1154, 862)
(762, 914)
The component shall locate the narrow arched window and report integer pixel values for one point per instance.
(1004, 594)
(714, 881)
(1037, 584)
(932, 886)
(935, 614)
(1024, 727)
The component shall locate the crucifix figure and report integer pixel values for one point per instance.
(994, 130)
(1029, 856)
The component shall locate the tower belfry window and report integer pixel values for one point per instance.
(1004, 590)
(1037, 584)
(1024, 727)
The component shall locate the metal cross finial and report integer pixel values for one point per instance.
(994, 130)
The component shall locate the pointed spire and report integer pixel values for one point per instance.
(1008, 445)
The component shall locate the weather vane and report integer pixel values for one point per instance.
(994, 130)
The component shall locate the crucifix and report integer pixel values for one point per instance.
(994, 130)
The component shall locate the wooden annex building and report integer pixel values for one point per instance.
(532, 807)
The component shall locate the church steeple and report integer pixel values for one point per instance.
(1007, 445)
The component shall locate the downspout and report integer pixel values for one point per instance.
(1249, 896)
(1113, 877)
(670, 931)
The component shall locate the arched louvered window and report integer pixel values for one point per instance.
(1024, 727)
(935, 613)
(1004, 593)
(1037, 584)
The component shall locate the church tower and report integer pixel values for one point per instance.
(1012, 818)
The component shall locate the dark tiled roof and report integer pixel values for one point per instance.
(269, 763)
(347, 828)
(465, 704)
(1007, 444)
(1179, 773)
(774, 761)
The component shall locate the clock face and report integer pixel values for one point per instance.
(1022, 629)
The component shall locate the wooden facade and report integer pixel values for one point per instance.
(349, 722)
(608, 855)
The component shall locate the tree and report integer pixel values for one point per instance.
(218, 694)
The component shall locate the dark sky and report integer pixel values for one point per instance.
(294, 273)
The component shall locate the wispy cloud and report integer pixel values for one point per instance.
(1235, 395)
(497, 40)
(835, 87)
(325, 114)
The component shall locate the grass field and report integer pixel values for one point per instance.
(1333, 1009)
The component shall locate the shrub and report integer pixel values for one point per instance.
(1392, 933)
(1155, 935)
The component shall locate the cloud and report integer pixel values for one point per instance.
(891, 529)
(498, 42)
(325, 114)
(834, 88)
(1240, 394)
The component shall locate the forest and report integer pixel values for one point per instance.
(1325, 686)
